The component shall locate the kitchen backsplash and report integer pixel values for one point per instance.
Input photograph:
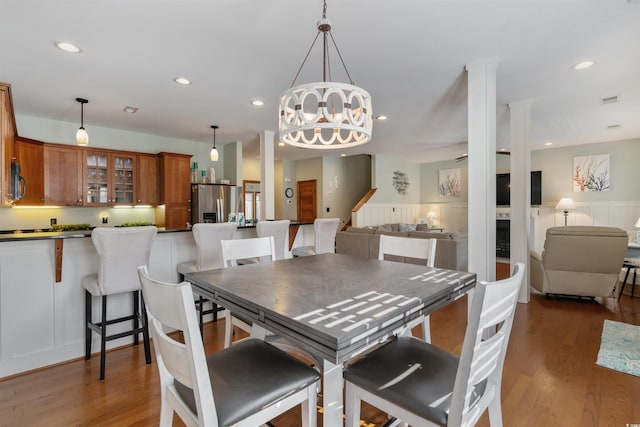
(40, 218)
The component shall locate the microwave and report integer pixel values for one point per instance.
(18, 184)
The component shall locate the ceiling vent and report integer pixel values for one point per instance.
(610, 100)
(130, 109)
(615, 126)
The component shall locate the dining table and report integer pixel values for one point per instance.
(335, 307)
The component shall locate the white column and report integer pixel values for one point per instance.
(481, 82)
(267, 167)
(519, 240)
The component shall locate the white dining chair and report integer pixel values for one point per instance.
(423, 385)
(325, 230)
(207, 237)
(415, 248)
(280, 232)
(120, 252)
(242, 386)
(260, 248)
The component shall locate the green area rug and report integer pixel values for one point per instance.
(620, 347)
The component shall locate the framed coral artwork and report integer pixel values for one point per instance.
(591, 173)
(449, 182)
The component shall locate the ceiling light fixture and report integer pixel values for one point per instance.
(325, 115)
(382, 117)
(257, 102)
(548, 144)
(130, 109)
(281, 144)
(82, 137)
(214, 151)
(583, 65)
(182, 81)
(68, 47)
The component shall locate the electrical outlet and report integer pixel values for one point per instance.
(53, 221)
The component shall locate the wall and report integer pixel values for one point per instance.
(346, 180)
(289, 206)
(383, 172)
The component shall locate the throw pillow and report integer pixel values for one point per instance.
(407, 227)
(422, 227)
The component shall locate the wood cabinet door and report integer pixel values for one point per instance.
(175, 185)
(30, 157)
(177, 216)
(7, 140)
(122, 189)
(147, 182)
(62, 175)
(96, 172)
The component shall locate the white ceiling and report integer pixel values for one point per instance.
(409, 54)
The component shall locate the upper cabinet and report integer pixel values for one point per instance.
(175, 190)
(147, 180)
(63, 175)
(7, 139)
(109, 178)
(30, 157)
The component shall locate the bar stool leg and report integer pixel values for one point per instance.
(103, 337)
(136, 314)
(88, 318)
(145, 331)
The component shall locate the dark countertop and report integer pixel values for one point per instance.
(49, 235)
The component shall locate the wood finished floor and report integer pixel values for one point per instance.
(550, 376)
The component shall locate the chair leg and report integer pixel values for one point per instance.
(87, 319)
(309, 412)
(495, 411)
(200, 312)
(103, 336)
(145, 330)
(352, 407)
(136, 314)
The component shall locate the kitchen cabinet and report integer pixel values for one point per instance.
(175, 190)
(147, 180)
(108, 178)
(7, 139)
(30, 157)
(63, 175)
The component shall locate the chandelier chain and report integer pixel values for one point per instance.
(305, 60)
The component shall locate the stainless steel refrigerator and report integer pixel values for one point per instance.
(214, 202)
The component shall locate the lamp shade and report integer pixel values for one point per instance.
(82, 137)
(214, 154)
(566, 204)
(431, 215)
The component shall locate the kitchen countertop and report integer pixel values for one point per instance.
(15, 236)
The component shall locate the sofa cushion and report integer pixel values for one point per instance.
(393, 233)
(430, 235)
(406, 227)
(364, 230)
(422, 227)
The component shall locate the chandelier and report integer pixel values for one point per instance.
(326, 114)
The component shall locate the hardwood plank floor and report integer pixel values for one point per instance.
(550, 376)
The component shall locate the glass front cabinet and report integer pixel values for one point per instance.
(109, 178)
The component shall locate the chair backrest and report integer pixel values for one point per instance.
(121, 251)
(170, 306)
(257, 247)
(410, 247)
(587, 249)
(325, 234)
(207, 237)
(479, 374)
(280, 232)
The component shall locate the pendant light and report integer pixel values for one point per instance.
(325, 114)
(82, 137)
(214, 151)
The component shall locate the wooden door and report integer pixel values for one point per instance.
(307, 200)
(30, 155)
(62, 175)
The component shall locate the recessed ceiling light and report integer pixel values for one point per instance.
(182, 81)
(614, 126)
(343, 155)
(582, 65)
(382, 117)
(68, 47)
(548, 143)
(503, 149)
(281, 144)
(257, 102)
(130, 109)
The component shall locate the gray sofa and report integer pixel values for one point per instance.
(364, 242)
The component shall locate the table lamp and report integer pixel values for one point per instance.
(565, 204)
(431, 216)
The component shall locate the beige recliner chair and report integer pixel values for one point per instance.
(579, 260)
